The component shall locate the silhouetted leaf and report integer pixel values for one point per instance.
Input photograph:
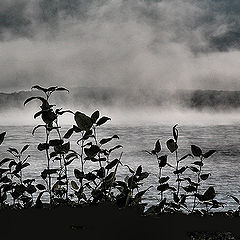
(35, 128)
(2, 135)
(163, 179)
(55, 142)
(196, 151)
(68, 134)
(95, 116)
(175, 133)
(209, 194)
(194, 169)
(42, 146)
(102, 120)
(101, 172)
(180, 171)
(92, 151)
(76, 129)
(83, 121)
(32, 98)
(61, 89)
(204, 176)
(112, 164)
(163, 187)
(13, 150)
(157, 148)
(114, 148)
(162, 161)
(209, 153)
(71, 155)
(172, 145)
(78, 174)
(130, 170)
(184, 157)
(37, 114)
(106, 140)
(110, 176)
(51, 89)
(74, 185)
(69, 162)
(40, 187)
(190, 188)
(90, 176)
(139, 170)
(24, 148)
(25, 165)
(12, 163)
(139, 195)
(5, 160)
(39, 88)
(48, 116)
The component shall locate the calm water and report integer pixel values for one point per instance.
(224, 165)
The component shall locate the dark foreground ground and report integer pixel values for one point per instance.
(107, 222)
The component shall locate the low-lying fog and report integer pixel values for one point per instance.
(131, 116)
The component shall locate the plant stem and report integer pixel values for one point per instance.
(63, 157)
(178, 184)
(198, 182)
(48, 166)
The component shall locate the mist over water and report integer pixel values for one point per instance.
(150, 44)
(148, 116)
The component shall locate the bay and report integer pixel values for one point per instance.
(224, 165)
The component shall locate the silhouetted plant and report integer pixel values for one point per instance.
(163, 186)
(55, 149)
(192, 187)
(13, 182)
(101, 182)
(208, 196)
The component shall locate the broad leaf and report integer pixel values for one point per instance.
(162, 161)
(102, 120)
(196, 151)
(2, 135)
(209, 153)
(83, 121)
(95, 116)
(112, 164)
(172, 145)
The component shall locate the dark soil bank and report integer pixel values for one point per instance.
(107, 222)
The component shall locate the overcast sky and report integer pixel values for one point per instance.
(174, 44)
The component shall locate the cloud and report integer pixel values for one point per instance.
(120, 44)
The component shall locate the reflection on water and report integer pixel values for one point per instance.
(224, 164)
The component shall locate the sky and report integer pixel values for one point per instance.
(130, 44)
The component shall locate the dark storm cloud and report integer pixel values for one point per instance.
(122, 44)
